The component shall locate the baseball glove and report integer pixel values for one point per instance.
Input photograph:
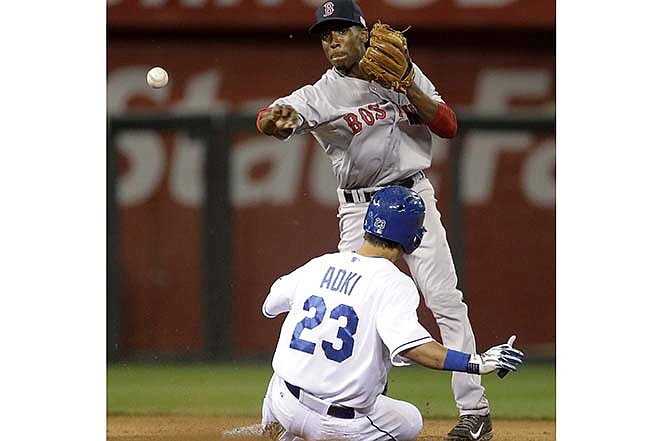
(387, 59)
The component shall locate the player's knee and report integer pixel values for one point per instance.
(413, 423)
(417, 422)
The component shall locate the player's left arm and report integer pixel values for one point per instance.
(437, 115)
(435, 356)
(397, 321)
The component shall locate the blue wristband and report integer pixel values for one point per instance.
(456, 361)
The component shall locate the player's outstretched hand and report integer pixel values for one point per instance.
(503, 357)
(279, 120)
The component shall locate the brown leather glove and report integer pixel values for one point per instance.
(387, 59)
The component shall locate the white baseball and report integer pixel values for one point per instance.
(157, 77)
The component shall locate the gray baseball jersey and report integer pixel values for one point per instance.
(372, 135)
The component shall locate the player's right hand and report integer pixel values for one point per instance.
(279, 120)
(502, 356)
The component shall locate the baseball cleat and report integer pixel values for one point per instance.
(471, 428)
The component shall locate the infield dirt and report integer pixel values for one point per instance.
(199, 428)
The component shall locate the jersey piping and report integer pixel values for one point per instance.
(406, 346)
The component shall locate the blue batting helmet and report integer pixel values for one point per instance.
(396, 213)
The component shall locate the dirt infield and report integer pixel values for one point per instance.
(199, 428)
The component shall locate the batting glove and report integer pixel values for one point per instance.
(503, 357)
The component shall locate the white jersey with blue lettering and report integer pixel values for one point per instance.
(372, 135)
(349, 317)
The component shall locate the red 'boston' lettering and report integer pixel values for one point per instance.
(353, 122)
(379, 113)
(367, 116)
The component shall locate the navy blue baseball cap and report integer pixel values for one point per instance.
(337, 10)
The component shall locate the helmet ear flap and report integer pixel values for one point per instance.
(418, 237)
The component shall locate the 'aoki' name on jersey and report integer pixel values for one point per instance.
(340, 280)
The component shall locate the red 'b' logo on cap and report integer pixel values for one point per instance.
(328, 9)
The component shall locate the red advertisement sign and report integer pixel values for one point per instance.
(283, 14)
(283, 193)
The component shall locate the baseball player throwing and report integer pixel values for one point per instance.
(351, 315)
(373, 114)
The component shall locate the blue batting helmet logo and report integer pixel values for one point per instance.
(379, 225)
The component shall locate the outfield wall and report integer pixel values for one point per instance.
(283, 193)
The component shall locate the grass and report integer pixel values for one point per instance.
(194, 389)
(237, 389)
(529, 393)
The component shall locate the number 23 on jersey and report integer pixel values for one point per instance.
(345, 334)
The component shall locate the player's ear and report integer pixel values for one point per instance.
(365, 35)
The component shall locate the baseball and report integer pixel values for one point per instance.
(157, 77)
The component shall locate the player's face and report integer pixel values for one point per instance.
(344, 45)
